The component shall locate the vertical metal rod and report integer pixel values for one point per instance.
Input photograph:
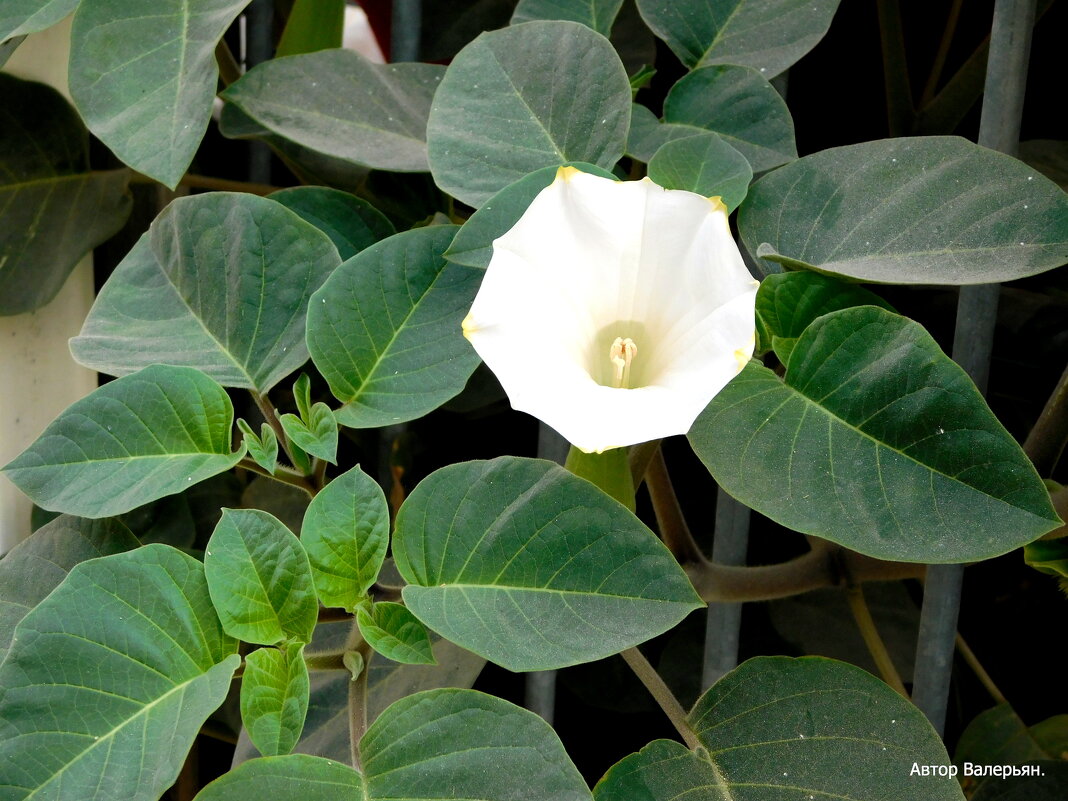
(724, 622)
(540, 696)
(406, 30)
(999, 128)
(259, 18)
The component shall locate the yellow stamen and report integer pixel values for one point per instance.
(622, 354)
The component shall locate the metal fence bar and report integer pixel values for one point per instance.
(724, 622)
(999, 128)
(406, 30)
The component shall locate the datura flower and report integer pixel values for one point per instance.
(615, 311)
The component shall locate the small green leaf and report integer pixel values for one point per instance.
(295, 777)
(920, 210)
(384, 330)
(260, 579)
(37, 565)
(381, 123)
(346, 533)
(395, 633)
(446, 744)
(596, 14)
(318, 436)
(640, 79)
(302, 396)
(741, 106)
(136, 439)
(220, 282)
(264, 448)
(524, 97)
(274, 697)
(144, 83)
(351, 222)
(704, 164)
(998, 737)
(473, 244)
(1048, 556)
(532, 567)
(110, 678)
(787, 303)
(312, 25)
(768, 35)
(876, 440)
(53, 208)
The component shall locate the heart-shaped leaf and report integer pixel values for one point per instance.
(136, 439)
(704, 164)
(532, 567)
(263, 448)
(395, 633)
(875, 440)
(274, 697)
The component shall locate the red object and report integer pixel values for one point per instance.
(380, 16)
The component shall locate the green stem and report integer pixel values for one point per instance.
(669, 518)
(280, 474)
(899, 108)
(876, 647)
(271, 416)
(1046, 441)
(358, 705)
(640, 456)
(330, 661)
(229, 70)
(943, 51)
(980, 672)
(660, 692)
(208, 182)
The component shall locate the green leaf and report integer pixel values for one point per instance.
(220, 282)
(596, 14)
(274, 697)
(296, 777)
(923, 210)
(704, 164)
(446, 744)
(144, 84)
(384, 330)
(264, 448)
(53, 208)
(380, 124)
(312, 25)
(395, 633)
(778, 728)
(741, 106)
(875, 440)
(768, 35)
(648, 134)
(1051, 735)
(318, 436)
(473, 244)
(351, 222)
(8, 46)
(260, 579)
(514, 100)
(38, 564)
(1048, 556)
(346, 533)
(532, 567)
(998, 737)
(787, 303)
(1052, 786)
(138, 438)
(19, 17)
(110, 679)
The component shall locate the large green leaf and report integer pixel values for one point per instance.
(924, 210)
(339, 104)
(534, 95)
(274, 697)
(110, 679)
(138, 438)
(19, 17)
(741, 106)
(351, 222)
(875, 440)
(778, 728)
(144, 83)
(346, 533)
(384, 330)
(596, 14)
(440, 744)
(648, 134)
(260, 579)
(532, 567)
(312, 25)
(704, 164)
(473, 244)
(768, 35)
(220, 282)
(37, 565)
(53, 209)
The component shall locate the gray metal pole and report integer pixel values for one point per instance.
(724, 622)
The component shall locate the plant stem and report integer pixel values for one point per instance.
(280, 474)
(980, 672)
(208, 182)
(640, 456)
(943, 51)
(330, 661)
(876, 647)
(899, 108)
(319, 474)
(332, 615)
(1046, 441)
(271, 416)
(358, 695)
(669, 518)
(229, 70)
(660, 692)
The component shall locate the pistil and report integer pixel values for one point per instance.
(622, 354)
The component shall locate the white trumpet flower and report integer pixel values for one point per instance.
(615, 311)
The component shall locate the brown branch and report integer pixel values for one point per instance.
(208, 182)
(980, 672)
(229, 70)
(876, 647)
(1046, 441)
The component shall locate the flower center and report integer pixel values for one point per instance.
(621, 354)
